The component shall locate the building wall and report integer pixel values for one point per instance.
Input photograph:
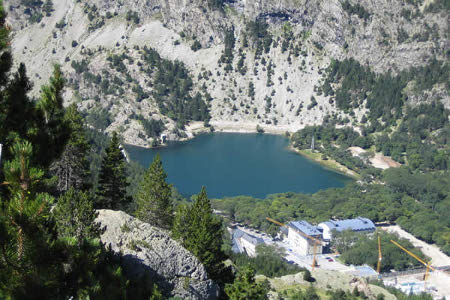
(327, 235)
(302, 245)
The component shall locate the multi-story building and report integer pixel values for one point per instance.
(297, 236)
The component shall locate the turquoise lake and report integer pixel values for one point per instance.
(230, 164)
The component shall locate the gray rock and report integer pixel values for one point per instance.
(150, 250)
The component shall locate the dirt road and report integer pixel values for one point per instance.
(438, 258)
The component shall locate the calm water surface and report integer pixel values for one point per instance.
(231, 164)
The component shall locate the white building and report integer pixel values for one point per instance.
(302, 244)
(359, 224)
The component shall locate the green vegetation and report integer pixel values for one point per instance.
(200, 232)
(418, 202)
(383, 93)
(415, 135)
(437, 6)
(401, 296)
(215, 4)
(132, 15)
(358, 249)
(152, 127)
(75, 216)
(261, 38)
(154, 203)
(245, 287)
(269, 262)
(49, 254)
(327, 137)
(227, 56)
(37, 9)
(356, 9)
(72, 168)
(172, 89)
(111, 192)
(196, 46)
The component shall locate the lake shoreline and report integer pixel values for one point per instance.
(231, 164)
(329, 163)
(196, 128)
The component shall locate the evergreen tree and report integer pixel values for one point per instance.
(245, 287)
(75, 216)
(51, 101)
(72, 168)
(17, 112)
(200, 231)
(53, 131)
(154, 197)
(27, 263)
(112, 182)
(42, 123)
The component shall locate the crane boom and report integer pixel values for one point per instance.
(276, 222)
(380, 257)
(413, 255)
(426, 264)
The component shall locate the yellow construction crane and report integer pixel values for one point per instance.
(426, 264)
(380, 257)
(316, 241)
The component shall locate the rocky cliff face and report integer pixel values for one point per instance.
(285, 77)
(149, 250)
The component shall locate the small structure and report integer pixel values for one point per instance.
(364, 271)
(163, 138)
(303, 244)
(245, 243)
(359, 224)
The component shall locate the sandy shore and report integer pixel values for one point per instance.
(247, 127)
(329, 163)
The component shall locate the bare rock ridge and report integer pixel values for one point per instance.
(149, 250)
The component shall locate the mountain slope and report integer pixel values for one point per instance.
(253, 62)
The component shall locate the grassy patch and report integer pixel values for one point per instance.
(328, 163)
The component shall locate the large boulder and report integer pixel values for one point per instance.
(148, 250)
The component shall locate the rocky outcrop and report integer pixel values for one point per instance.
(149, 250)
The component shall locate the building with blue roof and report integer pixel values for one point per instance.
(245, 243)
(298, 237)
(359, 224)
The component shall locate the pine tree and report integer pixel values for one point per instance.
(245, 287)
(112, 182)
(75, 216)
(200, 231)
(53, 132)
(154, 197)
(72, 168)
(79, 238)
(26, 257)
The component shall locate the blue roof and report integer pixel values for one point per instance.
(236, 245)
(358, 224)
(253, 239)
(305, 227)
(364, 271)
